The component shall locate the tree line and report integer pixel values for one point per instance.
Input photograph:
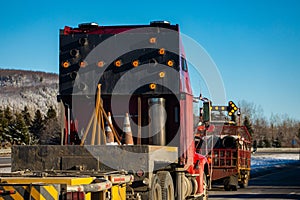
(20, 128)
(280, 130)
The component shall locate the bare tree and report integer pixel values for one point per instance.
(279, 130)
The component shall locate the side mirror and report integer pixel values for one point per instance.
(206, 111)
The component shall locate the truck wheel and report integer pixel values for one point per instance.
(194, 184)
(155, 192)
(230, 187)
(167, 186)
(245, 180)
(244, 183)
(188, 187)
(230, 183)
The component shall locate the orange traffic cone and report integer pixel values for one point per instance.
(109, 133)
(127, 131)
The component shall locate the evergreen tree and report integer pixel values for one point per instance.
(28, 121)
(267, 142)
(19, 130)
(248, 125)
(51, 134)
(37, 125)
(51, 113)
(26, 116)
(7, 123)
(1, 124)
(1, 114)
(276, 142)
(8, 117)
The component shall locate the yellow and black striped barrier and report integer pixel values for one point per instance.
(37, 188)
(29, 191)
(57, 188)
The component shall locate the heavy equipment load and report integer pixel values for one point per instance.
(126, 102)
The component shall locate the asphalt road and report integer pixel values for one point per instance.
(282, 184)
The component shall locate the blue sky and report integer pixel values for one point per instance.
(255, 44)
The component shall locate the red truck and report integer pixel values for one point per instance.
(226, 144)
(126, 102)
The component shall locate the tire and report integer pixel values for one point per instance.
(155, 193)
(230, 187)
(230, 183)
(244, 179)
(167, 186)
(194, 185)
(187, 184)
(205, 187)
(244, 183)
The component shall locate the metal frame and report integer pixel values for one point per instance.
(230, 161)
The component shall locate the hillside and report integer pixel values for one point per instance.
(36, 90)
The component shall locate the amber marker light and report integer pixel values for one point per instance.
(162, 74)
(135, 63)
(209, 160)
(152, 86)
(170, 63)
(100, 63)
(118, 63)
(82, 64)
(152, 40)
(161, 51)
(66, 64)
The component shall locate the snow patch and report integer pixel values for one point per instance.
(264, 162)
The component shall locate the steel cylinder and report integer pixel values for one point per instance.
(157, 119)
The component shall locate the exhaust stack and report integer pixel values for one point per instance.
(157, 121)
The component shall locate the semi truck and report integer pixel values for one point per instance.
(127, 121)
